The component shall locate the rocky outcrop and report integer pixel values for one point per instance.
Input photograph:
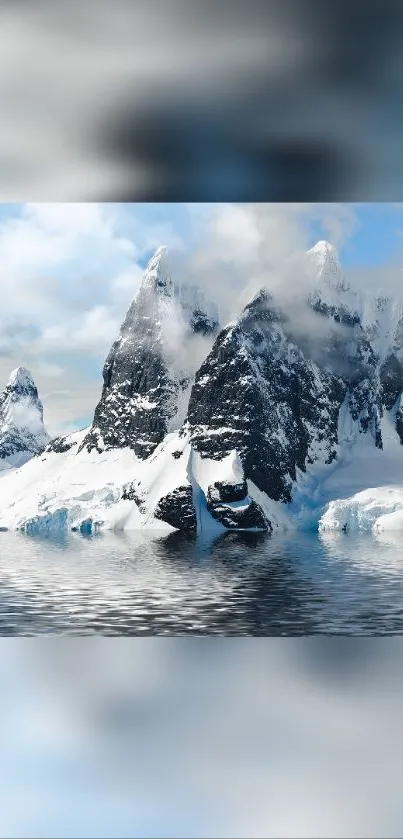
(224, 491)
(132, 492)
(231, 505)
(177, 509)
(60, 445)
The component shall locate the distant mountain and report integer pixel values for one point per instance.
(22, 432)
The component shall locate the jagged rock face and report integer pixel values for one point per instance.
(365, 407)
(263, 394)
(258, 394)
(22, 432)
(146, 380)
(59, 445)
(177, 509)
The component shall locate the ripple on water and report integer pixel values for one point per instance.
(239, 584)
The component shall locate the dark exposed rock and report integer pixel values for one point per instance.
(339, 314)
(225, 491)
(60, 445)
(131, 492)
(144, 382)
(202, 324)
(366, 407)
(248, 515)
(177, 509)
(391, 377)
(399, 422)
(258, 394)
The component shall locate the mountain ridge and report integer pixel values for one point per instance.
(275, 402)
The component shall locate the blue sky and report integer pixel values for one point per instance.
(69, 271)
(376, 238)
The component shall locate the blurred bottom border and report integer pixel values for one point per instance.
(165, 737)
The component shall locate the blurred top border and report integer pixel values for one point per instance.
(168, 100)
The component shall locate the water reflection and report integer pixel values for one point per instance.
(237, 584)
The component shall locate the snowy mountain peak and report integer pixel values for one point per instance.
(157, 275)
(326, 262)
(158, 254)
(21, 379)
(22, 432)
(324, 248)
(331, 290)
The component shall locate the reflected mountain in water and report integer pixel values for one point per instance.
(237, 584)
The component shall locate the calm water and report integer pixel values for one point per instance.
(241, 584)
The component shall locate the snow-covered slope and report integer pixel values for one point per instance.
(22, 432)
(75, 488)
(84, 491)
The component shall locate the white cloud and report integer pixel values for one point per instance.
(51, 371)
(242, 248)
(76, 219)
(276, 737)
(67, 257)
(124, 284)
(92, 332)
(70, 408)
(96, 331)
(58, 264)
(49, 253)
